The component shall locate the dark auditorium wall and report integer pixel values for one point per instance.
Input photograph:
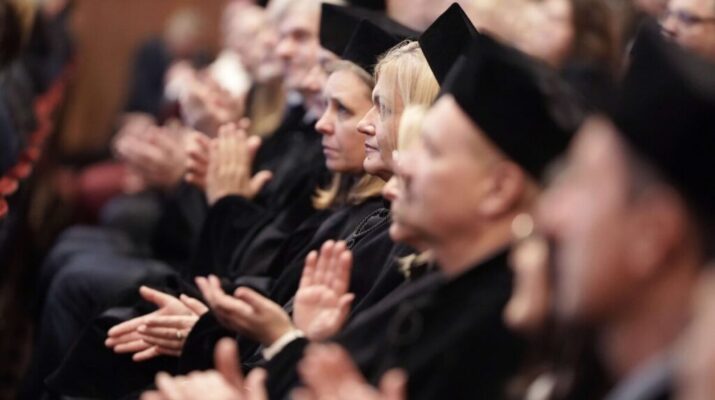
(107, 33)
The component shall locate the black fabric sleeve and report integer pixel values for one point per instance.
(282, 369)
(227, 223)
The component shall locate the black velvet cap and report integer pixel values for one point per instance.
(367, 43)
(379, 5)
(447, 38)
(666, 110)
(519, 103)
(338, 23)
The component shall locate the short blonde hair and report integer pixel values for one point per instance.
(408, 134)
(411, 126)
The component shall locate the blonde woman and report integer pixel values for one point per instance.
(350, 197)
(322, 304)
(403, 78)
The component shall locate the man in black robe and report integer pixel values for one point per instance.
(631, 218)
(447, 332)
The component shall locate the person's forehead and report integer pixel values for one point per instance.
(299, 20)
(342, 83)
(446, 120)
(597, 148)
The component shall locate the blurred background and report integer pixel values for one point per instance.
(100, 44)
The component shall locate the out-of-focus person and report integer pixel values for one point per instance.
(696, 361)
(630, 225)
(691, 23)
(577, 37)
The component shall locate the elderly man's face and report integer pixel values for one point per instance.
(443, 176)
(298, 45)
(691, 23)
(586, 214)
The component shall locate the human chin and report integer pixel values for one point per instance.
(567, 290)
(373, 164)
(333, 164)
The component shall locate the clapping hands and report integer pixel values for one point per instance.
(162, 332)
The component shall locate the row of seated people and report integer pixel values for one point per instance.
(343, 224)
(256, 230)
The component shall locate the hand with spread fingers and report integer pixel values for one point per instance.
(162, 332)
(230, 165)
(329, 374)
(246, 312)
(322, 303)
(224, 383)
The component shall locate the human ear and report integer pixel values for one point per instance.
(504, 187)
(657, 228)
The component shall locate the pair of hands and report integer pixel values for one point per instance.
(155, 155)
(162, 332)
(226, 382)
(321, 306)
(223, 166)
(329, 374)
(206, 106)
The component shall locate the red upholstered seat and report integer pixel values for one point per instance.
(4, 208)
(8, 186)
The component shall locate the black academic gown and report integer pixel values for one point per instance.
(448, 336)
(374, 275)
(234, 228)
(287, 270)
(242, 237)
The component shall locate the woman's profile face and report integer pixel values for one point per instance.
(380, 127)
(347, 100)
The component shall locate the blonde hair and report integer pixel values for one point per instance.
(408, 134)
(406, 65)
(343, 65)
(406, 69)
(340, 192)
(368, 185)
(411, 126)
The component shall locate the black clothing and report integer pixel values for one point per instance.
(448, 336)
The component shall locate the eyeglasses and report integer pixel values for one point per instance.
(687, 18)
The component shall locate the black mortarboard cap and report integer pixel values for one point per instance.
(367, 43)
(447, 38)
(666, 110)
(379, 5)
(520, 104)
(337, 24)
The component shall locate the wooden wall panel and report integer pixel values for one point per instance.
(107, 34)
